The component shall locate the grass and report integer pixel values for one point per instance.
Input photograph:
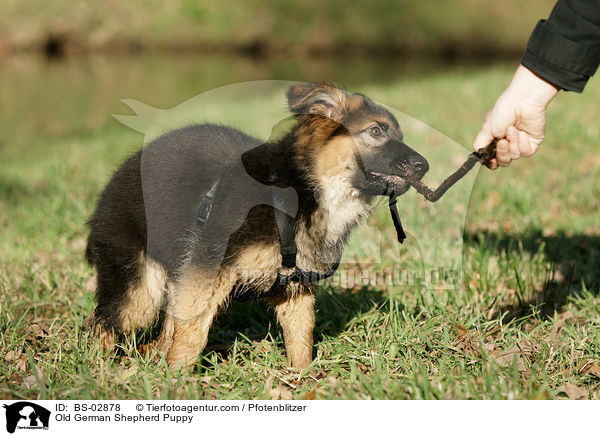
(525, 324)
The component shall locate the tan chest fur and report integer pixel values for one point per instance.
(319, 244)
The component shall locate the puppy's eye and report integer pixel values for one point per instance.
(375, 131)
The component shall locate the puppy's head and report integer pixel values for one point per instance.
(352, 140)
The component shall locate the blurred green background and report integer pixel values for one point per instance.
(530, 255)
(272, 26)
(65, 64)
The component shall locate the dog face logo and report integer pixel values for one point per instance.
(26, 415)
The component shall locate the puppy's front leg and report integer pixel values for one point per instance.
(296, 314)
(192, 309)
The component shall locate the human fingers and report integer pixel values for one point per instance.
(525, 146)
(503, 153)
(512, 135)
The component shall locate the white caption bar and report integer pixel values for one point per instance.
(90, 418)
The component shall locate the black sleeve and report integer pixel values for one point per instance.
(565, 48)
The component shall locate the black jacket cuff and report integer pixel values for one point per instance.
(565, 49)
(564, 79)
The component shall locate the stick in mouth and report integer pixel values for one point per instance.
(482, 156)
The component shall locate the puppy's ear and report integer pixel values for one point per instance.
(317, 98)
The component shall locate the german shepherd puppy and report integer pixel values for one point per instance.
(158, 267)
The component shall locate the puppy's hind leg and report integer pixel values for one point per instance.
(192, 308)
(296, 314)
(129, 294)
(117, 271)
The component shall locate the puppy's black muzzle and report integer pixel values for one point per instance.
(407, 163)
(388, 169)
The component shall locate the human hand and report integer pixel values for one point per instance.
(517, 119)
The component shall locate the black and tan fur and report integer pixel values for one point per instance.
(156, 267)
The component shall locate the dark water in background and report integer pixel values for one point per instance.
(54, 98)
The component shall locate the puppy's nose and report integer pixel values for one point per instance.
(419, 165)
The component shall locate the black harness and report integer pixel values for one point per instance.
(286, 228)
(289, 271)
(286, 225)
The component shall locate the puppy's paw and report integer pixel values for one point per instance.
(176, 365)
(181, 358)
(106, 336)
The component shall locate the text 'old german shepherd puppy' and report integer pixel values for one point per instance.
(166, 256)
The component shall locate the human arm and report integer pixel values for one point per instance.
(563, 52)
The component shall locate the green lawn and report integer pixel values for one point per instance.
(524, 324)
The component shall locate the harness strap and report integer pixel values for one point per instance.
(206, 205)
(396, 218)
(286, 228)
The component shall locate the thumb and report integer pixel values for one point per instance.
(483, 138)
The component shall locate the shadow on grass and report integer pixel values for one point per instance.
(574, 262)
(256, 320)
(13, 192)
